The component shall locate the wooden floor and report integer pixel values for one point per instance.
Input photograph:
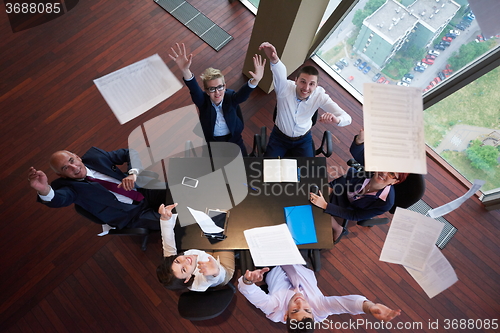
(56, 275)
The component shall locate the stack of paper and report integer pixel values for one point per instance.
(411, 242)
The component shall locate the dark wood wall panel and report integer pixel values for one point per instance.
(56, 275)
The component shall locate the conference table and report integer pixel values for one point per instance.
(263, 205)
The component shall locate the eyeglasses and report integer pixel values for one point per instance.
(392, 175)
(218, 88)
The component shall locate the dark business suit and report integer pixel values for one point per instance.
(230, 105)
(98, 201)
(364, 208)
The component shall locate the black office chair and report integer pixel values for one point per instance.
(260, 140)
(119, 232)
(406, 194)
(206, 305)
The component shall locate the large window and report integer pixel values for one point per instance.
(408, 42)
(426, 43)
(464, 129)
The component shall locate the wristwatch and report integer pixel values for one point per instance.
(246, 281)
(133, 172)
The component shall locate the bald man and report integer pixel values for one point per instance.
(95, 183)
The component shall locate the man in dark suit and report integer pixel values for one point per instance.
(95, 183)
(218, 107)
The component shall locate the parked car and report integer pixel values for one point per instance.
(433, 52)
(419, 69)
(430, 56)
(456, 32)
(422, 64)
(381, 80)
(360, 67)
(407, 80)
(479, 38)
(441, 76)
(428, 61)
(343, 61)
(460, 26)
(447, 39)
(452, 36)
(439, 47)
(465, 23)
(366, 70)
(445, 43)
(387, 82)
(356, 64)
(410, 76)
(336, 69)
(401, 83)
(339, 65)
(376, 77)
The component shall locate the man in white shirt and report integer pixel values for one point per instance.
(295, 299)
(297, 101)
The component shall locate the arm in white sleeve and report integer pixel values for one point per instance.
(352, 304)
(279, 76)
(168, 236)
(49, 196)
(331, 107)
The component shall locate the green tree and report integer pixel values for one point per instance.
(482, 157)
(370, 8)
(358, 18)
(468, 53)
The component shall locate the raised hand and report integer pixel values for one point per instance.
(38, 180)
(182, 60)
(382, 312)
(166, 211)
(270, 51)
(328, 118)
(256, 275)
(259, 66)
(209, 267)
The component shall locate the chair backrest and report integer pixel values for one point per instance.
(144, 232)
(409, 191)
(206, 305)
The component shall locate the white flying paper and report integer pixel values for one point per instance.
(452, 205)
(411, 239)
(206, 223)
(437, 276)
(394, 128)
(272, 246)
(134, 89)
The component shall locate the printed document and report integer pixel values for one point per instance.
(411, 239)
(135, 89)
(394, 128)
(272, 246)
(437, 276)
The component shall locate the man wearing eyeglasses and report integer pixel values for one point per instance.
(220, 113)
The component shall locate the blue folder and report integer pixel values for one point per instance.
(300, 222)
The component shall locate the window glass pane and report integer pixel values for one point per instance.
(464, 128)
(419, 43)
